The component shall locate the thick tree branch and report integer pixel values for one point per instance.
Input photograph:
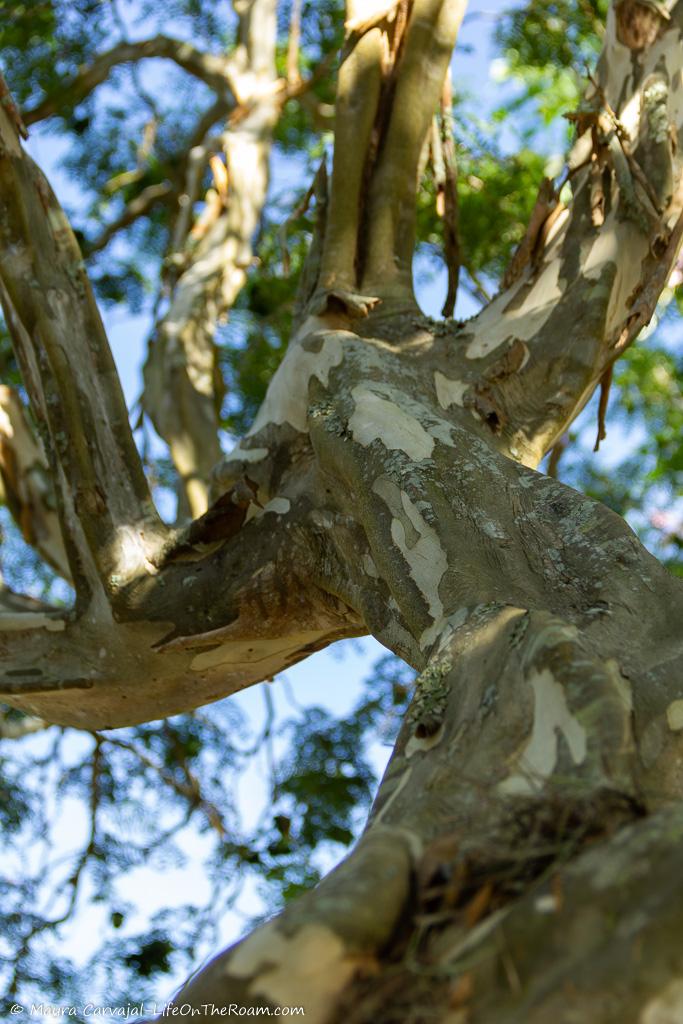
(183, 388)
(218, 616)
(587, 278)
(215, 71)
(105, 506)
(388, 89)
(516, 755)
(309, 954)
(358, 90)
(429, 40)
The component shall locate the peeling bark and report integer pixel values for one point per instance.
(546, 715)
(388, 485)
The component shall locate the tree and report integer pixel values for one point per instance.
(520, 859)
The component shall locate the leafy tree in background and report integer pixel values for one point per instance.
(386, 486)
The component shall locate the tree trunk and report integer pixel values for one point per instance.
(509, 867)
(519, 864)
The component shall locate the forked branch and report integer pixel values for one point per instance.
(389, 87)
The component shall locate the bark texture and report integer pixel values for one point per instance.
(520, 860)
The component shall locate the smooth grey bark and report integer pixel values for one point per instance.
(388, 485)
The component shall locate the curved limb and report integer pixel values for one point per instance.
(215, 71)
(71, 379)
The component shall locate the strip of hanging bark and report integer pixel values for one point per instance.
(605, 384)
(201, 146)
(556, 454)
(610, 140)
(399, 24)
(214, 204)
(546, 201)
(310, 272)
(546, 228)
(448, 192)
(436, 160)
(657, 267)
